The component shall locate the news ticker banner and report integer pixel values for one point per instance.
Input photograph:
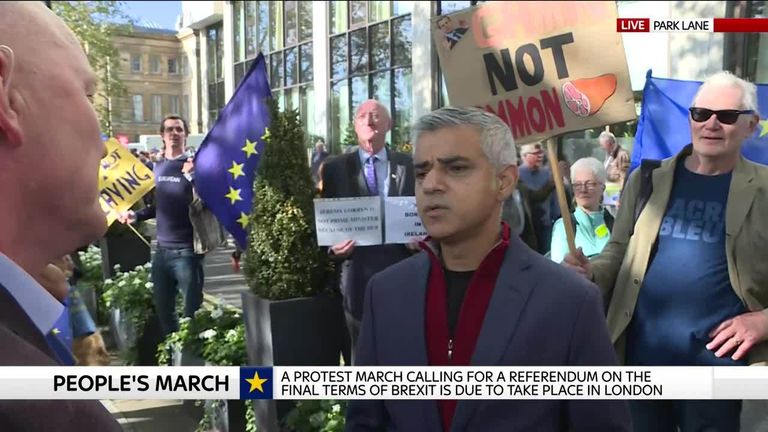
(695, 25)
(293, 383)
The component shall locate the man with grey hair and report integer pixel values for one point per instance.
(476, 296)
(685, 275)
(616, 158)
(371, 170)
(544, 210)
(50, 149)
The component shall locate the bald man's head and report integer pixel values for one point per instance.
(50, 143)
(372, 122)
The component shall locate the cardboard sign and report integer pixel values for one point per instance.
(340, 219)
(545, 68)
(401, 222)
(123, 180)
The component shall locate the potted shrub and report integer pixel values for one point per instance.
(91, 281)
(128, 296)
(292, 317)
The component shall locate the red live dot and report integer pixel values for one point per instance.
(633, 24)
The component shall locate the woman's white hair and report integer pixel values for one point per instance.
(727, 79)
(592, 165)
(495, 136)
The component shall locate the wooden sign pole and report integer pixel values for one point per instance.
(565, 210)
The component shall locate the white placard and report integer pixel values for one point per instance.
(340, 219)
(401, 222)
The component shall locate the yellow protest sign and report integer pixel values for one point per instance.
(123, 180)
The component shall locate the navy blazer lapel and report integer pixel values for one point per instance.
(15, 319)
(356, 175)
(507, 304)
(412, 312)
(396, 174)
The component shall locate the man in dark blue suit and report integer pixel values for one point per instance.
(372, 170)
(476, 296)
(50, 148)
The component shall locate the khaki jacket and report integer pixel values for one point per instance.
(619, 270)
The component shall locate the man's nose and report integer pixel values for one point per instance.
(432, 182)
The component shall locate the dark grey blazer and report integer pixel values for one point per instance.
(343, 177)
(540, 314)
(21, 344)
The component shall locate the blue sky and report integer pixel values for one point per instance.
(163, 13)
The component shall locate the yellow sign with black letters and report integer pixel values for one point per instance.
(123, 180)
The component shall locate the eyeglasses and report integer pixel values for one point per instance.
(728, 117)
(588, 186)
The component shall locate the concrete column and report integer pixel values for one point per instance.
(421, 59)
(321, 68)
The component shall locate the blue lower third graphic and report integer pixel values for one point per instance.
(255, 383)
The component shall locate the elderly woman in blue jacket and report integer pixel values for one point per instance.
(592, 223)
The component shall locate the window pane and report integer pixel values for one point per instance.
(339, 56)
(211, 54)
(381, 88)
(238, 23)
(277, 70)
(305, 21)
(307, 110)
(402, 115)
(154, 64)
(281, 100)
(263, 32)
(291, 25)
(379, 46)
(138, 108)
(212, 97)
(340, 122)
(239, 73)
(401, 33)
(358, 51)
(251, 29)
(305, 74)
(359, 91)
(292, 98)
(275, 25)
(403, 7)
(338, 17)
(291, 66)
(358, 13)
(157, 108)
(378, 10)
(219, 54)
(220, 102)
(173, 104)
(447, 7)
(135, 62)
(185, 108)
(173, 66)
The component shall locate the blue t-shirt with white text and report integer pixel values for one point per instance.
(686, 292)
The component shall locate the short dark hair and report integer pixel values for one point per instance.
(174, 117)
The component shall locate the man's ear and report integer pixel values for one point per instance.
(9, 120)
(507, 180)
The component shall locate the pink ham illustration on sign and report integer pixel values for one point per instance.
(584, 97)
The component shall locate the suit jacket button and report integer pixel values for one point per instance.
(637, 281)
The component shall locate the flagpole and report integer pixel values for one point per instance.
(140, 236)
(565, 209)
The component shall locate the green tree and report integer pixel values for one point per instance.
(95, 24)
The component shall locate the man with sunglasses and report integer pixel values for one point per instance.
(687, 285)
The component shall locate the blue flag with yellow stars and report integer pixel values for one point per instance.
(225, 165)
(663, 128)
(256, 383)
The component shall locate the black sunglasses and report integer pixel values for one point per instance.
(723, 116)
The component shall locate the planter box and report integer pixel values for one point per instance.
(186, 358)
(126, 335)
(298, 332)
(226, 415)
(126, 249)
(89, 296)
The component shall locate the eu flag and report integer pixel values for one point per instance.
(663, 128)
(225, 165)
(256, 383)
